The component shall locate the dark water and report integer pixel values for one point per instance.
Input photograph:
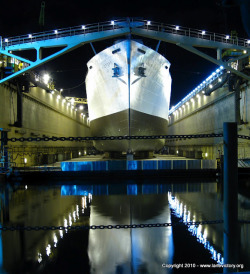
(171, 249)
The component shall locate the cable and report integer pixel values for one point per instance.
(75, 86)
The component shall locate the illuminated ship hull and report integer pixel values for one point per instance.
(128, 91)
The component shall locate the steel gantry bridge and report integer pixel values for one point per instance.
(68, 39)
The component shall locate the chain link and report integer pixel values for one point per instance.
(103, 138)
(118, 226)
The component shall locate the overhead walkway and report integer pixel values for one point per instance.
(68, 39)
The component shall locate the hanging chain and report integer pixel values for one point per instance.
(103, 138)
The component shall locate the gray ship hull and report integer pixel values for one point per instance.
(141, 124)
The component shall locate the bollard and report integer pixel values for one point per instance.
(230, 211)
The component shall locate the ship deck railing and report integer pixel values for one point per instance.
(123, 23)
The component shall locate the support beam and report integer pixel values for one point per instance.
(215, 61)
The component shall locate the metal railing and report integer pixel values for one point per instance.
(119, 24)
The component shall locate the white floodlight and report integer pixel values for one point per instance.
(46, 78)
(203, 32)
(30, 35)
(56, 31)
(112, 23)
(148, 23)
(83, 27)
(81, 107)
(6, 40)
(177, 27)
(227, 37)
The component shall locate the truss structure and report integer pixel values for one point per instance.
(71, 38)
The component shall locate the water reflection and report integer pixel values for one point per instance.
(130, 250)
(140, 250)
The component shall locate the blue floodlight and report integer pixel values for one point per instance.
(221, 67)
(217, 70)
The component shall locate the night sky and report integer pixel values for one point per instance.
(68, 71)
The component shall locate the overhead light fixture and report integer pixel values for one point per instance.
(58, 96)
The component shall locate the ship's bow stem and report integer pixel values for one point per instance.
(129, 152)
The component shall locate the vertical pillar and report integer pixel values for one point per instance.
(231, 235)
(219, 54)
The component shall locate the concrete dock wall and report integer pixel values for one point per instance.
(204, 115)
(44, 115)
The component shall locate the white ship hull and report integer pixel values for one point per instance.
(128, 90)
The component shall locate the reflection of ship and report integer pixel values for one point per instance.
(128, 89)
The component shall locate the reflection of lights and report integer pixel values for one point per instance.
(195, 230)
(65, 225)
(61, 233)
(84, 203)
(55, 240)
(39, 258)
(70, 220)
(74, 216)
(77, 211)
(90, 197)
(48, 249)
